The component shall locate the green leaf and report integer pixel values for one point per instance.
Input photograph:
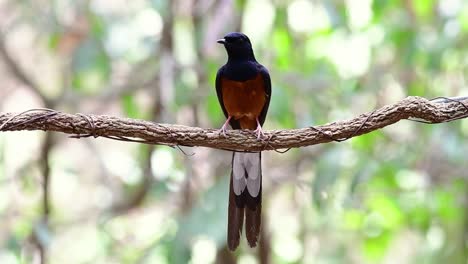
(446, 205)
(213, 109)
(54, 40)
(420, 217)
(130, 107)
(423, 8)
(384, 179)
(280, 107)
(380, 8)
(417, 88)
(98, 27)
(282, 44)
(463, 18)
(353, 219)
(366, 143)
(375, 247)
(91, 67)
(388, 209)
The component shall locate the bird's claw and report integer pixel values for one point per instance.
(259, 132)
(223, 130)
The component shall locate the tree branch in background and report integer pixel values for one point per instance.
(41, 228)
(125, 129)
(16, 70)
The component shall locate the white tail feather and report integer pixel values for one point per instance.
(250, 163)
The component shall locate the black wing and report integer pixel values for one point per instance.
(219, 91)
(267, 83)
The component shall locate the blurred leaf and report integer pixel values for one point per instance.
(381, 7)
(240, 4)
(213, 109)
(463, 18)
(445, 205)
(280, 107)
(130, 107)
(388, 209)
(98, 27)
(404, 39)
(91, 66)
(327, 172)
(208, 216)
(282, 44)
(423, 8)
(353, 219)
(22, 228)
(366, 142)
(54, 40)
(159, 255)
(13, 243)
(384, 179)
(374, 247)
(417, 88)
(420, 217)
(360, 178)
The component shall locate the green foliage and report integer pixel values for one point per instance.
(423, 8)
(91, 67)
(130, 106)
(282, 44)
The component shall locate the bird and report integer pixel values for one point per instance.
(243, 87)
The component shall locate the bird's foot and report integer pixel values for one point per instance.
(223, 129)
(259, 131)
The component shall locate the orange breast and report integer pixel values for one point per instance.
(245, 100)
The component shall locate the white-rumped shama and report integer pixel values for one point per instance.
(243, 87)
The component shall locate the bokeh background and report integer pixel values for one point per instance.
(397, 195)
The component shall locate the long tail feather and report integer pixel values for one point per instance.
(253, 219)
(235, 218)
(245, 197)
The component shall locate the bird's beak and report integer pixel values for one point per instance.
(221, 41)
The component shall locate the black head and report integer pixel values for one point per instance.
(238, 46)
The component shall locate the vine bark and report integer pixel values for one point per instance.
(79, 125)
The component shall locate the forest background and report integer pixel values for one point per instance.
(396, 195)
